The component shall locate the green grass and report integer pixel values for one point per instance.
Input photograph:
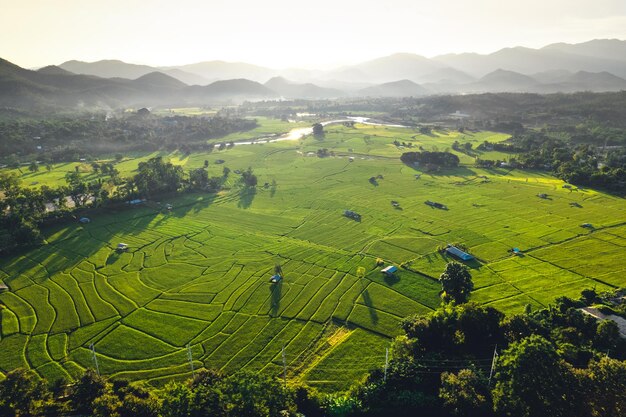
(200, 274)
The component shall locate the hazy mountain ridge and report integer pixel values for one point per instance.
(598, 65)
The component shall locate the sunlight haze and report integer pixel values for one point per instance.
(280, 33)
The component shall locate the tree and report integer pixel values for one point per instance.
(607, 380)
(22, 394)
(249, 179)
(318, 130)
(206, 163)
(198, 178)
(607, 335)
(456, 283)
(33, 167)
(177, 400)
(465, 393)
(86, 390)
(532, 381)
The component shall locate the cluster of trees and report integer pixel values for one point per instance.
(582, 164)
(324, 153)
(24, 209)
(67, 139)
(551, 361)
(209, 393)
(431, 160)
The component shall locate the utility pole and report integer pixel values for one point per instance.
(284, 368)
(94, 357)
(493, 362)
(190, 359)
(386, 363)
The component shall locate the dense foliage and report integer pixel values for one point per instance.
(430, 160)
(23, 209)
(581, 164)
(68, 139)
(551, 362)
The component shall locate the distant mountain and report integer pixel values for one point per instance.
(221, 70)
(528, 61)
(53, 70)
(597, 65)
(553, 76)
(502, 81)
(387, 69)
(587, 81)
(226, 90)
(447, 76)
(51, 87)
(402, 88)
(611, 49)
(159, 80)
(119, 69)
(290, 89)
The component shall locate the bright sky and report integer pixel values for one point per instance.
(290, 33)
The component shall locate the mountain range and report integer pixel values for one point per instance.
(597, 65)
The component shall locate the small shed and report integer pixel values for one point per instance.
(464, 256)
(275, 279)
(352, 215)
(84, 220)
(389, 270)
(542, 195)
(122, 247)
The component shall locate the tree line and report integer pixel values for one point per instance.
(581, 164)
(23, 210)
(62, 139)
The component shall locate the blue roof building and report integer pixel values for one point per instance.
(464, 256)
(390, 270)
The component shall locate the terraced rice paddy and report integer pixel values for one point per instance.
(199, 274)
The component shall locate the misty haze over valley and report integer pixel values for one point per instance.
(595, 66)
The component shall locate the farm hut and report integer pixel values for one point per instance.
(542, 195)
(464, 256)
(436, 205)
(136, 201)
(3, 287)
(84, 220)
(352, 215)
(122, 247)
(587, 225)
(275, 279)
(389, 270)
(351, 159)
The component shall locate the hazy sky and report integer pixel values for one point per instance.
(287, 33)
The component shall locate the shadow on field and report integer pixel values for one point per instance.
(391, 279)
(70, 242)
(473, 264)
(367, 299)
(276, 291)
(273, 189)
(246, 196)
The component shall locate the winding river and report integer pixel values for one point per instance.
(300, 132)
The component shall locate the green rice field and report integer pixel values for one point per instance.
(198, 276)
